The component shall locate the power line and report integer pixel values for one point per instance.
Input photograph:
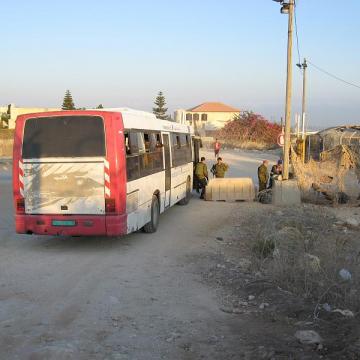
(333, 76)
(296, 32)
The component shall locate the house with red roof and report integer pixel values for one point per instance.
(208, 116)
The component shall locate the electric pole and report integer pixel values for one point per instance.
(303, 66)
(290, 8)
(287, 7)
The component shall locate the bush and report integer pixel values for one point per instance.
(250, 130)
(301, 252)
(7, 134)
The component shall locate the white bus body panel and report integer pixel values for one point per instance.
(64, 187)
(179, 176)
(138, 200)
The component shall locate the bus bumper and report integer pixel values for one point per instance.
(71, 225)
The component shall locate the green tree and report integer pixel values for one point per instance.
(160, 110)
(100, 106)
(4, 120)
(68, 102)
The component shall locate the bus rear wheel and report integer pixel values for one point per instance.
(186, 199)
(153, 224)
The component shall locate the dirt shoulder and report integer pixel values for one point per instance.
(279, 299)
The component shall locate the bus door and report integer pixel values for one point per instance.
(166, 144)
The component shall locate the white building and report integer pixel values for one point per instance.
(14, 111)
(207, 117)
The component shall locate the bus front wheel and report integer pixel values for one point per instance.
(153, 224)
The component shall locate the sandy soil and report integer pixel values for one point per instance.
(145, 296)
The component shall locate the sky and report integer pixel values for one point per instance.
(121, 53)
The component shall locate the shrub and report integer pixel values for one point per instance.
(250, 128)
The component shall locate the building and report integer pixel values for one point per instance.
(207, 117)
(13, 111)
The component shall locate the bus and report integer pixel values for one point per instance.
(99, 172)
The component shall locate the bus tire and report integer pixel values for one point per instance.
(153, 224)
(186, 199)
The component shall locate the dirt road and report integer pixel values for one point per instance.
(137, 297)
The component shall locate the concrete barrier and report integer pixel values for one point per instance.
(230, 189)
(285, 192)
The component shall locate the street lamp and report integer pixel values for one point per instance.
(287, 7)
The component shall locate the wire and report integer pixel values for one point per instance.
(333, 76)
(296, 32)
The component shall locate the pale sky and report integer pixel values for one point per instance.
(121, 53)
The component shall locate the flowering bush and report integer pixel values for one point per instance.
(249, 127)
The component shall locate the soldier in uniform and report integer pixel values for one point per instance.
(220, 168)
(202, 175)
(263, 175)
(275, 173)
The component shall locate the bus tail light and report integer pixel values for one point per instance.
(109, 205)
(20, 205)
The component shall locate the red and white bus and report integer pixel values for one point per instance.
(98, 172)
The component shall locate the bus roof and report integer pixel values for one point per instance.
(132, 119)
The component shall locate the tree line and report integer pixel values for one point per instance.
(159, 110)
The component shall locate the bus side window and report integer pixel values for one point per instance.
(132, 155)
(175, 151)
(188, 152)
(152, 142)
(181, 149)
(127, 143)
(157, 153)
(178, 142)
(158, 141)
(151, 161)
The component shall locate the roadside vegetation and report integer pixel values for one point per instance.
(6, 142)
(299, 268)
(250, 131)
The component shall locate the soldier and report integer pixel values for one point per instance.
(263, 175)
(202, 175)
(275, 173)
(220, 168)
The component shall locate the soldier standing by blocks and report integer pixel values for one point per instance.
(263, 175)
(202, 175)
(220, 168)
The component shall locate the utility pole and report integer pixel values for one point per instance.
(290, 8)
(287, 7)
(303, 66)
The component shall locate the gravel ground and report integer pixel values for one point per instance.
(181, 293)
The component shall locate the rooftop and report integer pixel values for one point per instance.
(213, 107)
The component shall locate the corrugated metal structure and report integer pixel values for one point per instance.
(328, 139)
(340, 135)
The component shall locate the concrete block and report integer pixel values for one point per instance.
(285, 192)
(230, 189)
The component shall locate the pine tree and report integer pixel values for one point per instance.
(68, 102)
(160, 109)
(100, 106)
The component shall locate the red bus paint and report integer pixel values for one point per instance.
(113, 222)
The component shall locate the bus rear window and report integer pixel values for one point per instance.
(63, 136)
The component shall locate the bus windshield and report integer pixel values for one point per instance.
(63, 136)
